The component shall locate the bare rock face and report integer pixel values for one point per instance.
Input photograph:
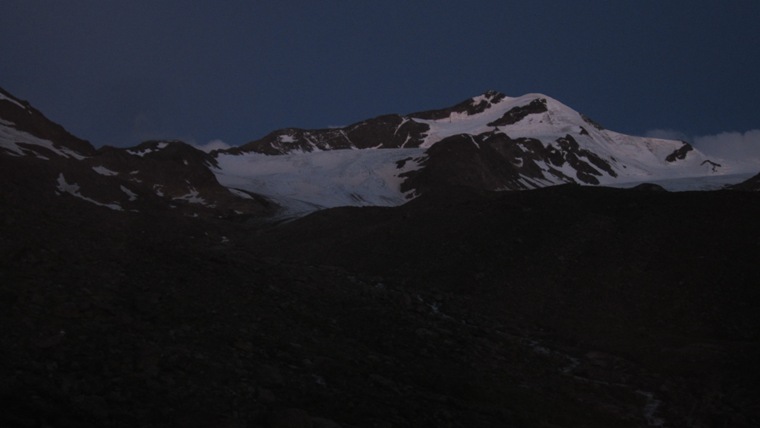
(494, 161)
(519, 113)
(389, 131)
(179, 177)
(470, 107)
(680, 153)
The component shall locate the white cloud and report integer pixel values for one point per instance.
(741, 149)
(666, 134)
(730, 144)
(737, 151)
(212, 145)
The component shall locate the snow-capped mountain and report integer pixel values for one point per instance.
(489, 142)
(540, 142)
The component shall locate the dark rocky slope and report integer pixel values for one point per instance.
(750, 184)
(567, 306)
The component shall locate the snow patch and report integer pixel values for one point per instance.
(480, 98)
(143, 152)
(565, 169)
(11, 139)
(192, 197)
(403, 121)
(104, 171)
(132, 196)
(240, 193)
(11, 100)
(650, 409)
(73, 189)
(139, 153)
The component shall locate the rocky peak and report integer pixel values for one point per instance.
(21, 116)
(172, 150)
(516, 114)
(470, 107)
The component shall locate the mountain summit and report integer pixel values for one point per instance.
(488, 142)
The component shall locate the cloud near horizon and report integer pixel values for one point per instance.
(666, 134)
(211, 145)
(731, 144)
(741, 149)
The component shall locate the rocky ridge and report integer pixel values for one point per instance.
(489, 142)
(41, 159)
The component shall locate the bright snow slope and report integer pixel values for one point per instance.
(304, 182)
(632, 158)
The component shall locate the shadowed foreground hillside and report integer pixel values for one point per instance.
(566, 306)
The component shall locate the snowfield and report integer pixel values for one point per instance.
(305, 182)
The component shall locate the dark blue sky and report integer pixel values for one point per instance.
(120, 72)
